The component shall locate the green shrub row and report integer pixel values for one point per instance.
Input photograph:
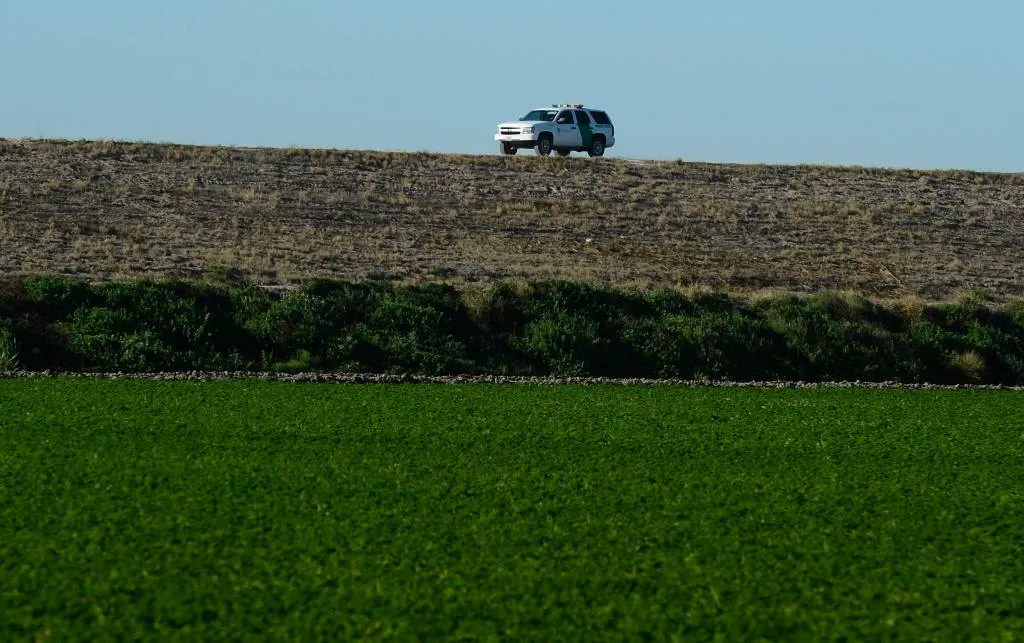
(544, 328)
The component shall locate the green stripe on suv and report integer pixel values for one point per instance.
(587, 134)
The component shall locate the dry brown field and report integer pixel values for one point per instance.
(103, 210)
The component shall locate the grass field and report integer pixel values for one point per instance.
(220, 511)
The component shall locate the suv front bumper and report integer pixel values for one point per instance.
(519, 140)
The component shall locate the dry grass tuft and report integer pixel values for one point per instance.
(910, 306)
(970, 363)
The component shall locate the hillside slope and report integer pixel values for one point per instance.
(106, 210)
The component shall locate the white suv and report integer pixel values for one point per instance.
(563, 128)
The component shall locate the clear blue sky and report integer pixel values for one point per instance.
(915, 83)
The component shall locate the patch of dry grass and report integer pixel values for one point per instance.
(970, 363)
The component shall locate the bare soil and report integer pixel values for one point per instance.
(103, 210)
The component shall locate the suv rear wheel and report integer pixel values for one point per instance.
(597, 146)
(544, 145)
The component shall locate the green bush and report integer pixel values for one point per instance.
(664, 302)
(111, 339)
(370, 327)
(424, 330)
(501, 309)
(563, 343)
(249, 302)
(357, 348)
(311, 324)
(551, 327)
(832, 338)
(61, 296)
(729, 345)
(929, 347)
(149, 326)
(658, 349)
(569, 328)
(1000, 345)
(607, 307)
(297, 321)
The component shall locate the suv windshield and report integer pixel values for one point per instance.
(540, 115)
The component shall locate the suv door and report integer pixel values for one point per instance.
(566, 132)
(586, 130)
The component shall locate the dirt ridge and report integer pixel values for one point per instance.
(102, 210)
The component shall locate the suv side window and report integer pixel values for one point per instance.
(582, 118)
(601, 118)
(565, 118)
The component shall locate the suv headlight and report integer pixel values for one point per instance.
(528, 129)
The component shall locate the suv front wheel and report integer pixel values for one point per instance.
(544, 145)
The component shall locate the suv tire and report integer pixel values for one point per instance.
(544, 145)
(508, 148)
(597, 147)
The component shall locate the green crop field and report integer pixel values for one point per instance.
(240, 510)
